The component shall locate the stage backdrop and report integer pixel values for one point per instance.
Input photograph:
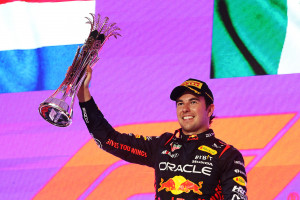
(246, 51)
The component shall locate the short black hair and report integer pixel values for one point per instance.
(208, 102)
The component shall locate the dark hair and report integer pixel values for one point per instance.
(208, 101)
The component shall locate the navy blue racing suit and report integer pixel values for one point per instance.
(199, 167)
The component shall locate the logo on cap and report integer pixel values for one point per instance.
(192, 83)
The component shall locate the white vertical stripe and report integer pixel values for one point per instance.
(31, 25)
(290, 56)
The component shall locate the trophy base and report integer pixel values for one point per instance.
(55, 112)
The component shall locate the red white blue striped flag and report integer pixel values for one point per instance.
(38, 41)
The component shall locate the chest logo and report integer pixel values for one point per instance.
(175, 146)
(207, 149)
(193, 137)
(167, 166)
(178, 185)
(172, 155)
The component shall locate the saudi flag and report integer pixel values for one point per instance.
(38, 41)
(255, 37)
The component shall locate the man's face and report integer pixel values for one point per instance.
(192, 114)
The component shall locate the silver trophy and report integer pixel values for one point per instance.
(58, 108)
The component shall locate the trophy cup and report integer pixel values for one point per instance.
(58, 108)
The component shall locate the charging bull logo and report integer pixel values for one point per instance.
(178, 185)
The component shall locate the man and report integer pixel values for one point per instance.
(189, 164)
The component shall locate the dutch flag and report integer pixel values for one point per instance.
(38, 41)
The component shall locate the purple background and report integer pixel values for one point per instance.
(163, 43)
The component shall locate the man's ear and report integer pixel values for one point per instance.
(210, 109)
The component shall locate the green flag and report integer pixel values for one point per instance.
(254, 37)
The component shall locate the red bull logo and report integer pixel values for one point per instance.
(178, 185)
(193, 137)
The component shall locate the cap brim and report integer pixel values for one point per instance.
(177, 92)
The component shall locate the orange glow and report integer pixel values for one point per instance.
(272, 173)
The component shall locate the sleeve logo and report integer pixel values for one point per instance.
(240, 180)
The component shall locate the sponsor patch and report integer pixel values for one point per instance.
(86, 119)
(202, 157)
(209, 134)
(239, 163)
(98, 143)
(239, 190)
(202, 162)
(240, 180)
(175, 146)
(192, 83)
(141, 137)
(238, 197)
(172, 155)
(235, 197)
(194, 169)
(240, 172)
(178, 185)
(193, 137)
(207, 149)
(216, 146)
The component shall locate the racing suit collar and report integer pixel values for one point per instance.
(200, 136)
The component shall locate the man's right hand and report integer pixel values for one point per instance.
(84, 92)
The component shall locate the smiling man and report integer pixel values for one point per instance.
(192, 114)
(189, 164)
